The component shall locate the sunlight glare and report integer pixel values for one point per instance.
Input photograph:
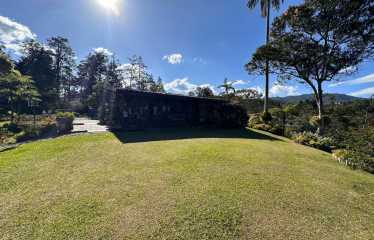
(111, 6)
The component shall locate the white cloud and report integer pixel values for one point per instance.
(103, 50)
(348, 70)
(175, 58)
(183, 86)
(283, 91)
(366, 79)
(12, 34)
(238, 82)
(366, 92)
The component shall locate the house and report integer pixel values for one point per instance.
(135, 110)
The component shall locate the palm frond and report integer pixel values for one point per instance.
(252, 3)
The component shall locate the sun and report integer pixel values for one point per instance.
(111, 6)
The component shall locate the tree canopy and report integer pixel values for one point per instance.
(316, 41)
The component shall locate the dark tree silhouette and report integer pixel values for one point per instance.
(37, 63)
(63, 64)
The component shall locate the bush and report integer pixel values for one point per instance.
(315, 121)
(64, 122)
(254, 119)
(263, 127)
(12, 127)
(314, 140)
(266, 117)
(355, 159)
(66, 115)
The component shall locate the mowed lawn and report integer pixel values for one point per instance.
(200, 184)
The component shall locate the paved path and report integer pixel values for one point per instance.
(88, 125)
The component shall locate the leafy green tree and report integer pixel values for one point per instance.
(157, 86)
(266, 6)
(37, 62)
(204, 92)
(107, 90)
(315, 42)
(16, 89)
(91, 74)
(63, 64)
(136, 73)
(5, 63)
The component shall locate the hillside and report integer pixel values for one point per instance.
(226, 184)
(337, 96)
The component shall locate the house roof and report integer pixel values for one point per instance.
(166, 95)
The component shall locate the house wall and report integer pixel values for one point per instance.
(143, 110)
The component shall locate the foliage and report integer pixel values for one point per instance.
(254, 119)
(26, 129)
(314, 140)
(37, 62)
(66, 115)
(63, 65)
(64, 122)
(266, 6)
(202, 92)
(227, 86)
(256, 122)
(15, 90)
(266, 117)
(316, 41)
(5, 63)
(248, 94)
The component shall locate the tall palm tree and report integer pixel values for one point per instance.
(227, 86)
(266, 5)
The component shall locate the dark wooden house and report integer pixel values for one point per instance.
(145, 110)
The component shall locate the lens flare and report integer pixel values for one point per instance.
(111, 6)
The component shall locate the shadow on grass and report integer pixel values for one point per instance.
(188, 133)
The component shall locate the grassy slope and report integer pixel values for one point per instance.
(245, 186)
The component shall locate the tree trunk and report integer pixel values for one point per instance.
(320, 108)
(266, 100)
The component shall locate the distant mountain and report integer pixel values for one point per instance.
(327, 98)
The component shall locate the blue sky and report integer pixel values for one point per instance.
(187, 43)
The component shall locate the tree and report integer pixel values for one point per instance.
(266, 6)
(203, 92)
(248, 94)
(157, 86)
(15, 89)
(227, 86)
(5, 63)
(37, 63)
(63, 63)
(113, 81)
(91, 74)
(315, 42)
(136, 73)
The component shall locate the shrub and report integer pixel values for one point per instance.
(64, 122)
(355, 159)
(254, 119)
(314, 140)
(263, 127)
(266, 117)
(12, 127)
(315, 121)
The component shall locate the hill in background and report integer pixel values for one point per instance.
(327, 98)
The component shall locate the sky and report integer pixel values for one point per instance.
(187, 43)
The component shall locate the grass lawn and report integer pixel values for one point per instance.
(227, 184)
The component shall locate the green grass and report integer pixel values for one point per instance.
(227, 184)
